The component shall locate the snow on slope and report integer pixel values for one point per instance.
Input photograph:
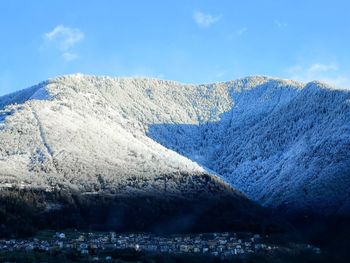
(90, 134)
(277, 141)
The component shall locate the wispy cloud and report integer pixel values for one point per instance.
(65, 39)
(241, 31)
(280, 24)
(220, 74)
(205, 20)
(326, 72)
(68, 56)
(318, 67)
(237, 33)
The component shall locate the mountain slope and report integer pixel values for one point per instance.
(81, 136)
(277, 141)
(282, 145)
(77, 146)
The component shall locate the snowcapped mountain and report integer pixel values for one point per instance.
(280, 142)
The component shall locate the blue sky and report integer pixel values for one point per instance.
(185, 40)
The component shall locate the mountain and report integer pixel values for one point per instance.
(75, 153)
(282, 143)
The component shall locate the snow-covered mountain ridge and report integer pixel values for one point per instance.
(280, 142)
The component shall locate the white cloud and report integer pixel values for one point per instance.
(241, 31)
(65, 39)
(205, 20)
(317, 67)
(68, 56)
(220, 74)
(328, 72)
(280, 24)
(237, 33)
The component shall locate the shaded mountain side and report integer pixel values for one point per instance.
(215, 208)
(292, 154)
